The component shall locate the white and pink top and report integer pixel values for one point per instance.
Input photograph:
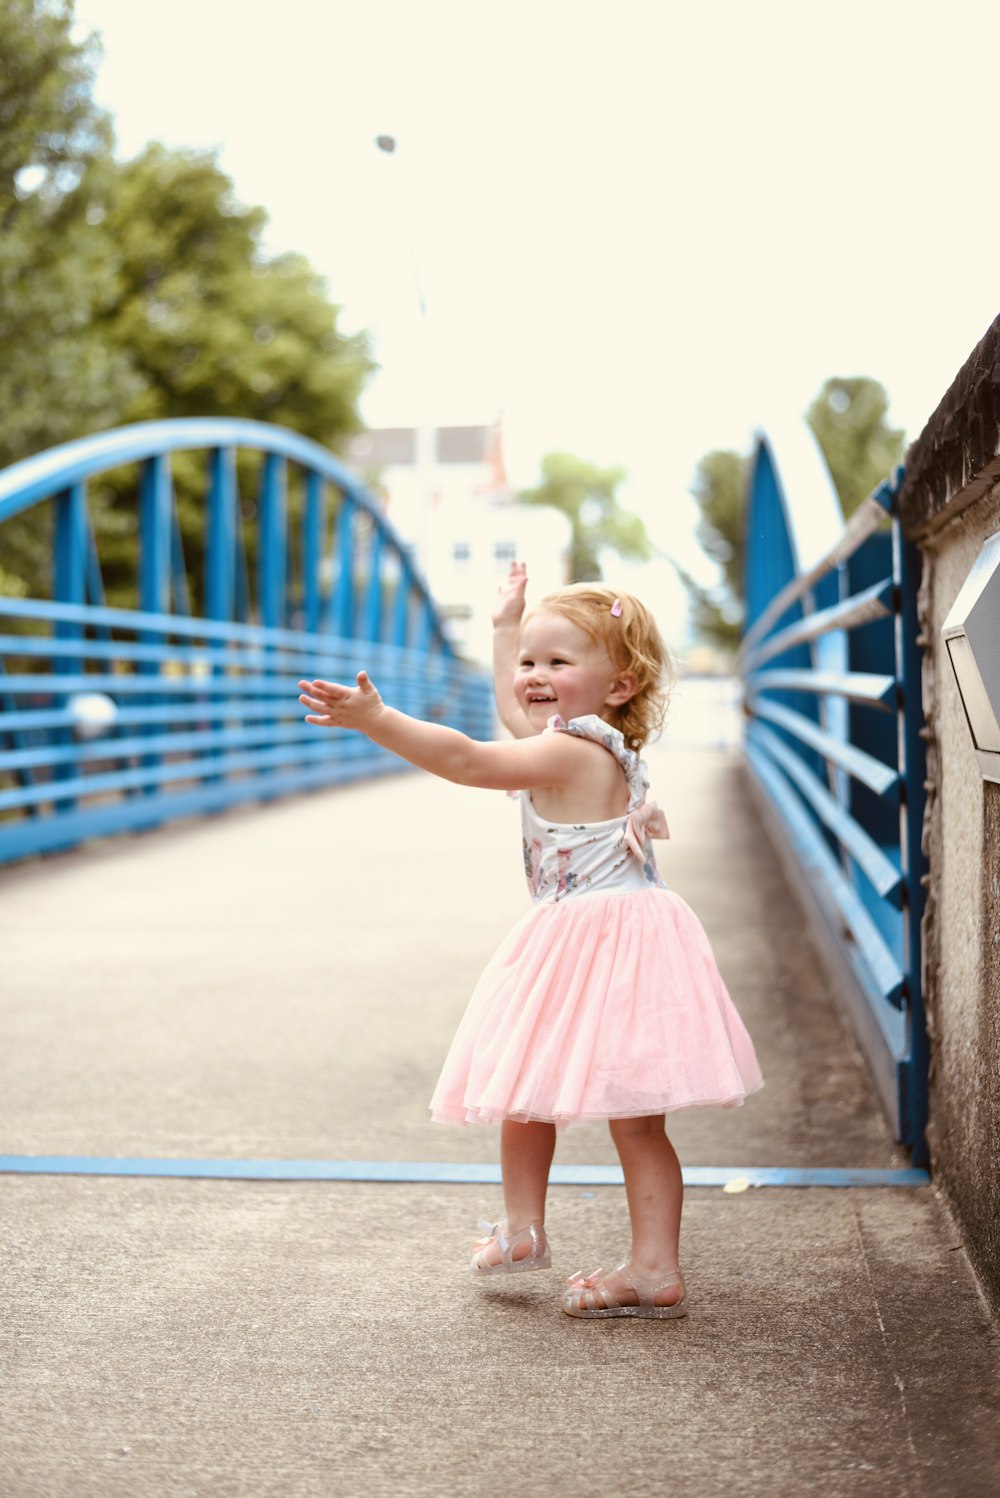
(565, 860)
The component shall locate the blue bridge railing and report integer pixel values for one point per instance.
(831, 668)
(126, 716)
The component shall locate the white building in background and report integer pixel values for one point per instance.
(446, 493)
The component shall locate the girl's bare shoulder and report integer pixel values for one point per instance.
(595, 790)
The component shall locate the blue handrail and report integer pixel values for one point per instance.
(831, 671)
(117, 718)
(58, 468)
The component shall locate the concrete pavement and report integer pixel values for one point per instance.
(283, 982)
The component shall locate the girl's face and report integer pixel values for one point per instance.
(560, 669)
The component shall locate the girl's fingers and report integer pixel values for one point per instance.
(334, 690)
(327, 699)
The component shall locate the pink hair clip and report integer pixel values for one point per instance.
(616, 608)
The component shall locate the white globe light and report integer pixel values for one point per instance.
(92, 714)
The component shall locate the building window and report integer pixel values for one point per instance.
(504, 552)
(461, 555)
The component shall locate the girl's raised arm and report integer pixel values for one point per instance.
(506, 635)
(549, 759)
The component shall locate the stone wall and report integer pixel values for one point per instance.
(950, 504)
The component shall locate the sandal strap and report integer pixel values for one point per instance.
(595, 1285)
(498, 1232)
(536, 1233)
(647, 1290)
(493, 1230)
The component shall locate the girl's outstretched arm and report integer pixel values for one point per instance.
(506, 635)
(549, 759)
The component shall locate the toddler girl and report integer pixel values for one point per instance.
(604, 1002)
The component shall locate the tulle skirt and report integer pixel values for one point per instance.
(598, 1007)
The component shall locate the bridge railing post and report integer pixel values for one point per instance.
(312, 547)
(69, 585)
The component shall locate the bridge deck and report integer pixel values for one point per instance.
(282, 983)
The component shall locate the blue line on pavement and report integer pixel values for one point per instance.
(437, 1172)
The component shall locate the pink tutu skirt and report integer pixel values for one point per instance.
(598, 1007)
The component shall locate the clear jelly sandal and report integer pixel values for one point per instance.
(515, 1258)
(589, 1295)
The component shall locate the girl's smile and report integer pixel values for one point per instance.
(560, 669)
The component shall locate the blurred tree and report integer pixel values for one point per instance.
(719, 484)
(214, 326)
(135, 291)
(848, 418)
(212, 323)
(588, 496)
(59, 378)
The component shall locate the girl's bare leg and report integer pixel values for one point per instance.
(655, 1195)
(526, 1151)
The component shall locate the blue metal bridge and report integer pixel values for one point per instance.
(831, 670)
(130, 699)
(179, 696)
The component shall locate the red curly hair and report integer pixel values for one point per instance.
(633, 643)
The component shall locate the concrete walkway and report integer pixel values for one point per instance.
(282, 983)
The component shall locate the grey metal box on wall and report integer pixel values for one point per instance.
(971, 634)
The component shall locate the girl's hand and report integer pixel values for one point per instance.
(336, 706)
(510, 597)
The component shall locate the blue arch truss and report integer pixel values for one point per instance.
(177, 695)
(834, 723)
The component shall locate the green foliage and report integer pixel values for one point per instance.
(714, 615)
(588, 496)
(48, 121)
(719, 484)
(848, 418)
(58, 377)
(136, 291)
(718, 487)
(215, 327)
(212, 325)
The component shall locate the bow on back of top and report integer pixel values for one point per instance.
(645, 822)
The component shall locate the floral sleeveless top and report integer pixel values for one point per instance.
(565, 861)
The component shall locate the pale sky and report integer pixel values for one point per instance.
(639, 227)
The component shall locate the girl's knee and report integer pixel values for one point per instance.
(627, 1129)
